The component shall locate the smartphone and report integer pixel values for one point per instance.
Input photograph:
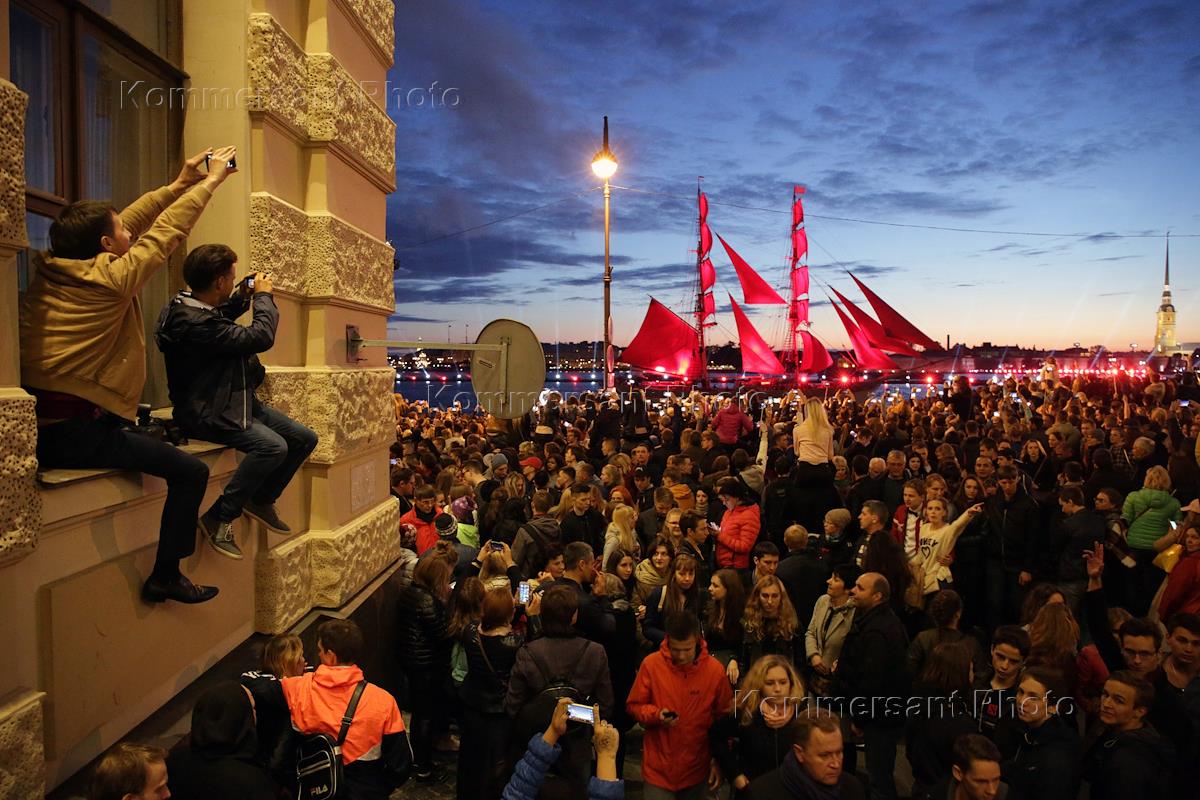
(497, 546)
(523, 592)
(670, 715)
(231, 163)
(714, 527)
(577, 712)
(1184, 403)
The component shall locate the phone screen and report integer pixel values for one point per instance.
(523, 593)
(577, 712)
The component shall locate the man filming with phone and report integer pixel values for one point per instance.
(83, 351)
(212, 373)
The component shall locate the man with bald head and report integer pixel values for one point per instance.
(872, 681)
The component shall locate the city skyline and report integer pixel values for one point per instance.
(985, 116)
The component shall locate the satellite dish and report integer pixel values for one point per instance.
(508, 381)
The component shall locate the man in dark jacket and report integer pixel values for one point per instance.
(653, 519)
(1046, 762)
(1011, 548)
(975, 774)
(1078, 530)
(212, 374)
(596, 618)
(872, 679)
(802, 572)
(814, 770)
(583, 523)
(1126, 756)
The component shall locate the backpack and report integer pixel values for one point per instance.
(535, 715)
(319, 758)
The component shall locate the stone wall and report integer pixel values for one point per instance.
(22, 766)
(20, 500)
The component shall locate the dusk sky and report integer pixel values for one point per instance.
(1049, 116)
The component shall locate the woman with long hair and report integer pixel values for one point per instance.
(770, 626)
(946, 609)
(1182, 591)
(423, 643)
(491, 648)
(618, 575)
(753, 740)
(813, 473)
(680, 593)
(944, 687)
(936, 544)
(654, 570)
(1054, 643)
(621, 532)
(723, 630)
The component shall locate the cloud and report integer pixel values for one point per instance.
(412, 318)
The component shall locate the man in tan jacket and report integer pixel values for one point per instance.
(83, 350)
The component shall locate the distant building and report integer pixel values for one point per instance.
(1165, 342)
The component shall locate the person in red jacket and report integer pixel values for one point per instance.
(739, 525)
(1182, 592)
(424, 511)
(731, 424)
(679, 693)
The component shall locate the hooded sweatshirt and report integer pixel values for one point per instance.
(677, 757)
(81, 320)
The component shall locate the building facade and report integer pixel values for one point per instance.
(102, 99)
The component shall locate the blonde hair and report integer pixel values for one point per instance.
(795, 537)
(749, 693)
(1158, 478)
(760, 627)
(815, 423)
(838, 517)
(623, 520)
(281, 653)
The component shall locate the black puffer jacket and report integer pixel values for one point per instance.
(873, 666)
(421, 638)
(212, 366)
(751, 750)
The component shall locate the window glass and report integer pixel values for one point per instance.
(144, 20)
(38, 228)
(33, 71)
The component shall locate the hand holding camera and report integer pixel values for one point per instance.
(220, 163)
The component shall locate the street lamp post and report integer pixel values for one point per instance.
(604, 165)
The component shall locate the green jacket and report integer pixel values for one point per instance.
(1148, 512)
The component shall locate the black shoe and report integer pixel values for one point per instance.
(427, 776)
(267, 515)
(180, 589)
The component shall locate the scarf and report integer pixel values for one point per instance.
(801, 786)
(647, 575)
(426, 518)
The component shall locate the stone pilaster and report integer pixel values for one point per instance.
(20, 500)
(22, 765)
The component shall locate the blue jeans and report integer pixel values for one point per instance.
(86, 443)
(275, 446)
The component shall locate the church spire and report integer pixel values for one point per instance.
(1167, 267)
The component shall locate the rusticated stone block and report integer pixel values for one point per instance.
(347, 559)
(12, 165)
(319, 255)
(22, 760)
(351, 410)
(278, 68)
(341, 111)
(376, 19)
(277, 241)
(324, 568)
(282, 586)
(20, 500)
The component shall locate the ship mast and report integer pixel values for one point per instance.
(798, 307)
(706, 275)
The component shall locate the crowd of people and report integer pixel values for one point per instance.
(772, 595)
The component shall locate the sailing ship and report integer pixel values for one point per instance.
(668, 347)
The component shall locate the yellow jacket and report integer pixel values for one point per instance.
(81, 320)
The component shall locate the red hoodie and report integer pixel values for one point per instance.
(678, 757)
(426, 532)
(739, 532)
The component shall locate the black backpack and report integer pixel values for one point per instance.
(319, 758)
(535, 715)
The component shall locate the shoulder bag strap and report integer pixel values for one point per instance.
(350, 709)
(483, 651)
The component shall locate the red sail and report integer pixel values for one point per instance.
(797, 207)
(708, 275)
(816, 357)
(705, 238)
(799, 245)
(755, 291)
(757, 355)
(664, 343)
(710, 306)
(866, 355)
(703, 207)
(800, 311)
(874, 332)
(896, 326)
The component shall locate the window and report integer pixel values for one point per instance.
(87, 135)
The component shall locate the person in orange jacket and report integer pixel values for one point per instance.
(424, 511)
(739, 526)
(679, 693)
